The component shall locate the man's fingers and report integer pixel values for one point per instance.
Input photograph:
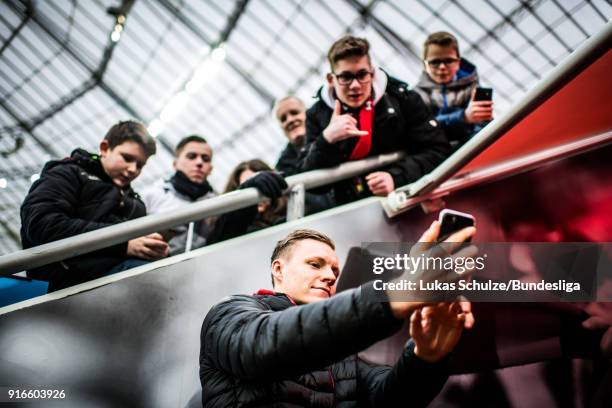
(155, 235)
(416, 325)
(469, 319)
(380, 191)
(373, 175)
(461, 235)
(432, 233)
(155, 244)
(350, 119)
(457, 312)
(467, 251)
(380, 183)
(337, 109)
(146, 253)
(158, 253)
(347, 121)
(595, 322)
(358, 132)
(373, 182)
(482, 103)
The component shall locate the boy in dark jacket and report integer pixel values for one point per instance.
(296, 346)
(86, 192)
(362, 112)
(447, 86)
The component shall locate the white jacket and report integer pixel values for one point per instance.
(162, 197)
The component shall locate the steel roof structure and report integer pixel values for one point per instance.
(71, 69)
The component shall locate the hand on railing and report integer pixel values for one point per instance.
(380, 183)
(150, 247)
(269, 183)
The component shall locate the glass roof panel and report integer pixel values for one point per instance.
(63, 83)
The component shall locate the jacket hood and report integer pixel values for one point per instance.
(379, 84)
(89, 162)
(466, 75)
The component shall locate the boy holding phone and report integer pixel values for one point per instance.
(86, 192)
(449, 86)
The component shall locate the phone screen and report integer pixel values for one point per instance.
(168, 234)
(483, 94)
(453, 221)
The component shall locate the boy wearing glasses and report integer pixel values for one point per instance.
(447, 85)
(193, 165)
(363, 112)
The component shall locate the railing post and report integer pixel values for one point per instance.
(189, 240)
(295, 205)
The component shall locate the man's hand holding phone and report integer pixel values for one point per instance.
(437, 327)
(428, 244)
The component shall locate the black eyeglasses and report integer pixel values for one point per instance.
(346, 78)
(446, 61)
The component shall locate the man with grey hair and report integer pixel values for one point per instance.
(291, 115)
(290, 112)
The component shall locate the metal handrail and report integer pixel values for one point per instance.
(115, 234)
(504, 169)
(588, 52)
(593, 48)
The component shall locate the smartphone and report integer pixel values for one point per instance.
(483, 94)
(168, 234)
(452, 221)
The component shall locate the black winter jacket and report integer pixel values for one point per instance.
(287, 164)
(287, 161)
(401, 122)
(73, 196)
(261, 351)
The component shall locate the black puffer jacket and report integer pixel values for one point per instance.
(261, 351)
(73, 196)
(402, 122)
(287, 161)
(288, 165)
